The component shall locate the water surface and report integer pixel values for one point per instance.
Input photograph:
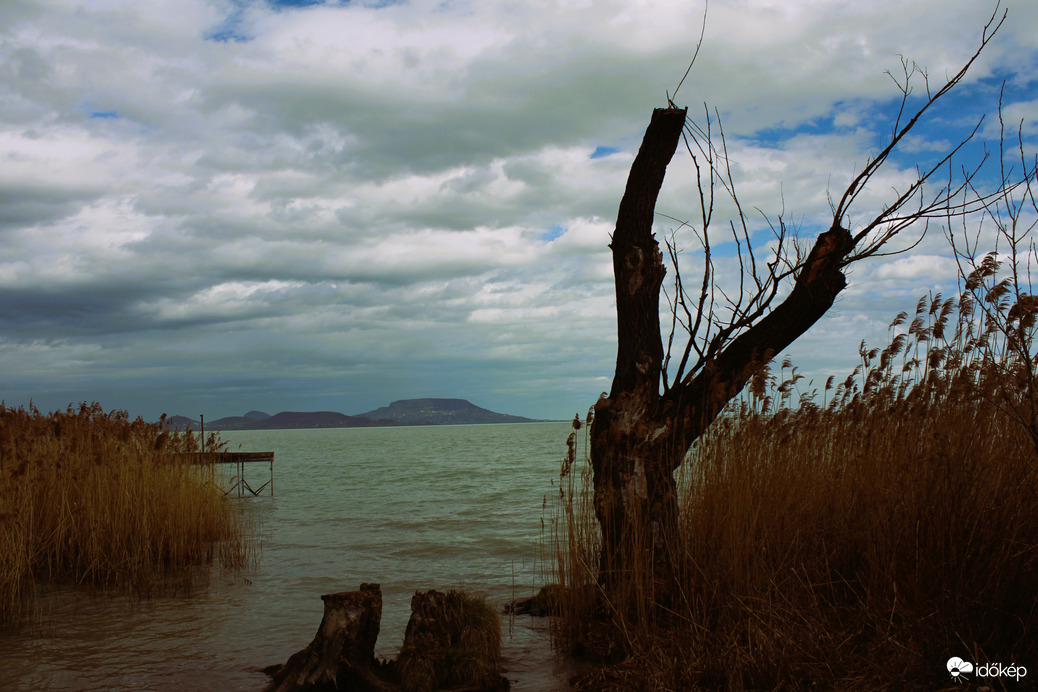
(409, 508)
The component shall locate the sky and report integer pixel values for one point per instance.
(213, 206)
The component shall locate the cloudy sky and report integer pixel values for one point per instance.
(211, 206)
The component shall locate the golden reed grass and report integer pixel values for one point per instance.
(88, 497)
(855, 543)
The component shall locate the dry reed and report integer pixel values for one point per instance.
(88, 497)
(856, 543)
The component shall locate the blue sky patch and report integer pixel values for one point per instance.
(230, 30)
(295, 3)
(552, 233)
(601, 152)
(774, 137)
(947, 123)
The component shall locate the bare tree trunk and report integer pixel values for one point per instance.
(634, 487)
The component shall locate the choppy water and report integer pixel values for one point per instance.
(410, 508)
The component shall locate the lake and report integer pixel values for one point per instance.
(411, 508)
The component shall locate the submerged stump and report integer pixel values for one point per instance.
(342, 655)
(452, 642)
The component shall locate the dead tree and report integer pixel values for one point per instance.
(643, 429)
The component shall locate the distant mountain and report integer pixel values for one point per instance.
(289, 420)
(228, 423)
(403, 412)
(440, 412)
(180, 423)
(231, 423)
(317, 419)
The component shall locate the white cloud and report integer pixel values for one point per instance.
(65, 156)
(227, 300)
(926, 269)
(411, 47)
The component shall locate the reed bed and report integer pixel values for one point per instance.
(852, 543)
(88, 497)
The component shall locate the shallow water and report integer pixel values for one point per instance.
(410, 508)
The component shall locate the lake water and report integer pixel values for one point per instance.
(410, 508)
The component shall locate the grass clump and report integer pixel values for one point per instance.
(88, 497)
(854, 543)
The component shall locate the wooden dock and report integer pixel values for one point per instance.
(239, 484)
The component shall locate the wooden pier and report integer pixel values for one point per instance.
(239, 459)
(239, 484)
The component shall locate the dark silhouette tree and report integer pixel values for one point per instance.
(644, 427)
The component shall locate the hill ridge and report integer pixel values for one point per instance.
(420, 411)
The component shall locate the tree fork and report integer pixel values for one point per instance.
(697, 401)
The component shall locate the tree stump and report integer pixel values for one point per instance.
(452, 642)
(342, 655)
